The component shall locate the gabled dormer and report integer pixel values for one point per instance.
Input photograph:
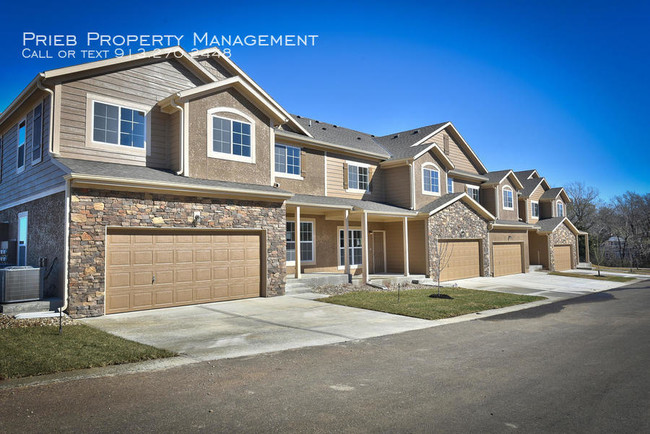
(529, 199)
(553, 203)
(499, 194)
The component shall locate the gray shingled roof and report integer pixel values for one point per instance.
(551, 194)
(441, 201)
(524, 174)
(342, 136)
(367, 205)
(530, 185)
(513, 223)
(125, 171)
(549, 225)
(496, 176)
(399, 144)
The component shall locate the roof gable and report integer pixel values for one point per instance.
(498, 176)
(449, 199)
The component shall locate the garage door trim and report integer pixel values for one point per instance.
(479, 242)
(118, 230)
(555, 262)
(521, 246)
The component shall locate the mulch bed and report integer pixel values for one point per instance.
(8, 322)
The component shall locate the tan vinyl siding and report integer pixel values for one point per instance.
(336, 177)
(417, 247)
(35, 178)
(422, 199)
(508, 214)
(397, 186)
(142, 85)
(487, 199)
(535, 195)
(456, 154)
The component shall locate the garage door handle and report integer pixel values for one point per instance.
(153, 279)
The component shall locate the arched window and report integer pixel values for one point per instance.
(430, 179)
(507, 198)
(560, 208)
(231, 135)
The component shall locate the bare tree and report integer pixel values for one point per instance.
(583, 208)
(441, 256)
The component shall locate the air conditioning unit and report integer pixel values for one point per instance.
(20, 284)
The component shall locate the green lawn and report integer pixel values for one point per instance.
(418, 304)
(41, 350)
(593, 276)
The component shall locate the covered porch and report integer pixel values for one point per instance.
(381, 239)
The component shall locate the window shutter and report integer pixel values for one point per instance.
(302, 162)
(371, 172)
(345, 176)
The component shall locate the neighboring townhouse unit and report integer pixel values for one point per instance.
(553, 239)
(154, 181)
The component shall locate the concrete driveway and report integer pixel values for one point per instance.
(539, 283)
(254, 326)
(263, 325)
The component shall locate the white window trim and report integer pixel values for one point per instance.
(559, 204)
(91, 99)
(24, 214)
(357, 190)
(213, 112)
(338, 248)
(452, 184)
(503, 198)
(531, 209)
(430, 166)
(474, 187)
(313, 242)
(284, 174)
(40, 155)
(21, 169)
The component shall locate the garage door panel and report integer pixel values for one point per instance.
(187, 268)
(507, 259)
(562, 256)
(461, 259)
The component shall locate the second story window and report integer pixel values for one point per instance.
(507, 198)
(37, 134)
(450, 185)
(430, 180)
(534, 209)
(21, 147)
(560, 209)
(231, 137)
(473, 192)
(118, 125)
(287, 160)
(358, 177)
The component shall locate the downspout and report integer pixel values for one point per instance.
(66, 249)
(182, 135)
(412, 176)
(39, 84)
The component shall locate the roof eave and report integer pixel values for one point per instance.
(309, 140)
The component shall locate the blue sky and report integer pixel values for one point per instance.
(558, 86)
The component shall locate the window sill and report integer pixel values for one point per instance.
(113, 147)
(231, 157)
(356, 190)
(508, 209)
(352, 267)
(430, 193)
(35, 162)
(288, 176)
(20, 170)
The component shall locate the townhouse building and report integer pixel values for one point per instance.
(154, 181)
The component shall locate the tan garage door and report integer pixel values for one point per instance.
(507, 259)
(562, 255)
(464, 259)
(154, 269)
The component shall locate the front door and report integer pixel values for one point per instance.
(378, 249)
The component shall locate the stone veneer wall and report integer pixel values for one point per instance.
(45, 236)
(449, 223)
(91, 211)
(562, 235)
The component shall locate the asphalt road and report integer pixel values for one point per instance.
(576, 366)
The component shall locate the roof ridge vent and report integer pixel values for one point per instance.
(395, 136)
(415, 132)
(310, 122)
(334, 126)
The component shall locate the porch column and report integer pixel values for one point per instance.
(587, 259)
(405, 243)
(364, 245)
(297, 237)
(346, 243)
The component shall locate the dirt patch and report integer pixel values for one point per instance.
(8, 322)
(348, 287)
